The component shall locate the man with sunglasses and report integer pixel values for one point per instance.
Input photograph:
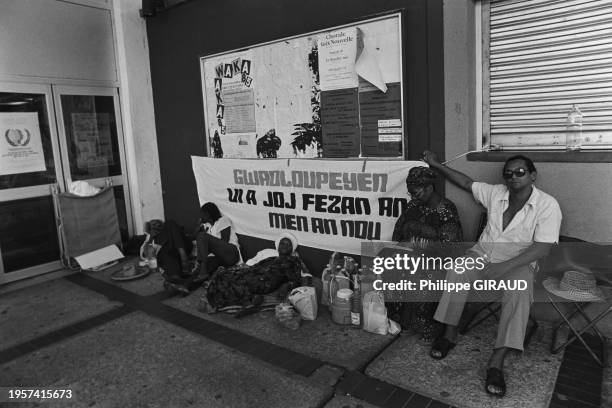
(523, 223)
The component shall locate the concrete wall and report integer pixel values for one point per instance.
(57, 40)
(180, 35)
(584, 190)
(138, 113)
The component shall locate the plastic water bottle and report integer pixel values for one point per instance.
(356, 303)
(573, 135)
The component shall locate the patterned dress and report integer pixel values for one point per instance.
(236, 285)
(419, 222)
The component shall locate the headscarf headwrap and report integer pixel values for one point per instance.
(420, 176)
(290, 237)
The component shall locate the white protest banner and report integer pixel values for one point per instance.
(332, 205)
(21, 148)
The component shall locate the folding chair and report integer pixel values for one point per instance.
(591, 258)
(576, 333)
(85, 224)
(493, 309)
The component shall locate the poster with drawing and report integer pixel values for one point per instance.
(21, 149)
(301, 97)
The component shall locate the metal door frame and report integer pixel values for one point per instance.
(39, 190)
(120, 180)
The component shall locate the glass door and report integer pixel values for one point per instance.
(91, 143)
(29, 165)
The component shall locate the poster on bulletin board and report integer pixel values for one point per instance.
(335, 93)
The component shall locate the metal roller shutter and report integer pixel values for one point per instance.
(541, 57)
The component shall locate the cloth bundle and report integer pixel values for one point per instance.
(287, 317)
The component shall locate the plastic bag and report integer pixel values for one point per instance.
(375, 313)
(304, 299)
(83, 189)
(286, 316)
(394, 327)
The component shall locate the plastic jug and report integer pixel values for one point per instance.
(341, 307)
(366, 281)
(337, 282)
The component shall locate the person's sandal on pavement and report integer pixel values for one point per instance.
(176, 289)
(441, 347)
(495, 379)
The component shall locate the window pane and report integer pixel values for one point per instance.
(91, 136)
(24, 102)
(28, 235)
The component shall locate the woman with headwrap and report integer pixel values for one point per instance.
(243, 284)
(429, 217)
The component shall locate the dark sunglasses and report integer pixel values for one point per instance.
(520, 172)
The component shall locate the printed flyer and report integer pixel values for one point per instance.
(21, 148)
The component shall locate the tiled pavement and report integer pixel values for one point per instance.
(578, 384)
(579, 380)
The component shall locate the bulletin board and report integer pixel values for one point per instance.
(335, 93)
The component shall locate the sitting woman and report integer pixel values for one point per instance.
(172, 247)
(429, 217)
(244, 284)
(216, 242)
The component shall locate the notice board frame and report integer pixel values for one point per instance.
(396, 14)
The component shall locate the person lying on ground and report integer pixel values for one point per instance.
(243, 284)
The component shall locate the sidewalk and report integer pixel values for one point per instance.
(130, 345)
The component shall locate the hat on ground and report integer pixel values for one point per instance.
(290, 237)
(576, 286)
(130, 272)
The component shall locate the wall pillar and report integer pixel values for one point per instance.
(136, 96)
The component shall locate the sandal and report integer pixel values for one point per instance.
(442, 345)
(176, 289)
(495, 378)
(424, 340)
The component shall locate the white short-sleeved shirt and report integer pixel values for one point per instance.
(538, 221)
(221, 224)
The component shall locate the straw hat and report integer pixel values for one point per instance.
(576, 286)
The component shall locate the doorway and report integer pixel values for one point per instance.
(53, 135)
